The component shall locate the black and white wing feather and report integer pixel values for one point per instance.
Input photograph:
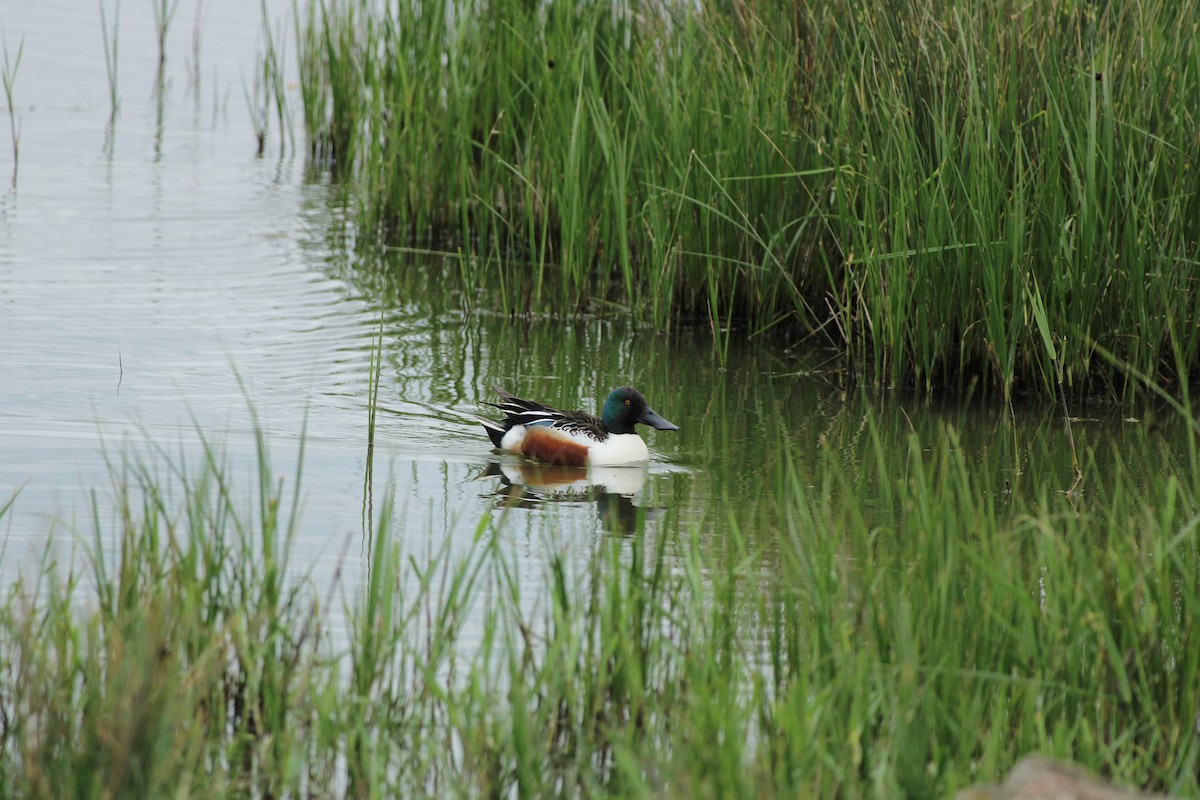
(529, 413)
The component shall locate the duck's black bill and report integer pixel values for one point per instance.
(652, 419)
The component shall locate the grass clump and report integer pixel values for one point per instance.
(901, 630)
(268, 91)
(903, 180)
(171, 662)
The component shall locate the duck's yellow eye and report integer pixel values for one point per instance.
(626, 402)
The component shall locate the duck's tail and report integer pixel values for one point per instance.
(495, 431)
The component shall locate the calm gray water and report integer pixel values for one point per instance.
(143, 269)
(158, 278)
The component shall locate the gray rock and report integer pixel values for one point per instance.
(1036, 778)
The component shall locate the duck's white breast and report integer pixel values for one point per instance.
(618, 448)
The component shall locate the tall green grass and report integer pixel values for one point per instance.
(8, 77)
(111, 54)
(164, 14)
(900, 628)
(901, 180)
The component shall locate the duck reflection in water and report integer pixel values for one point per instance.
(528, 484)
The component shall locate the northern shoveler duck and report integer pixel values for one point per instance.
(576, 438)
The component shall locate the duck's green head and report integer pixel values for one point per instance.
(625, 407)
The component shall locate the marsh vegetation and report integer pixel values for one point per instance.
(911, 183)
